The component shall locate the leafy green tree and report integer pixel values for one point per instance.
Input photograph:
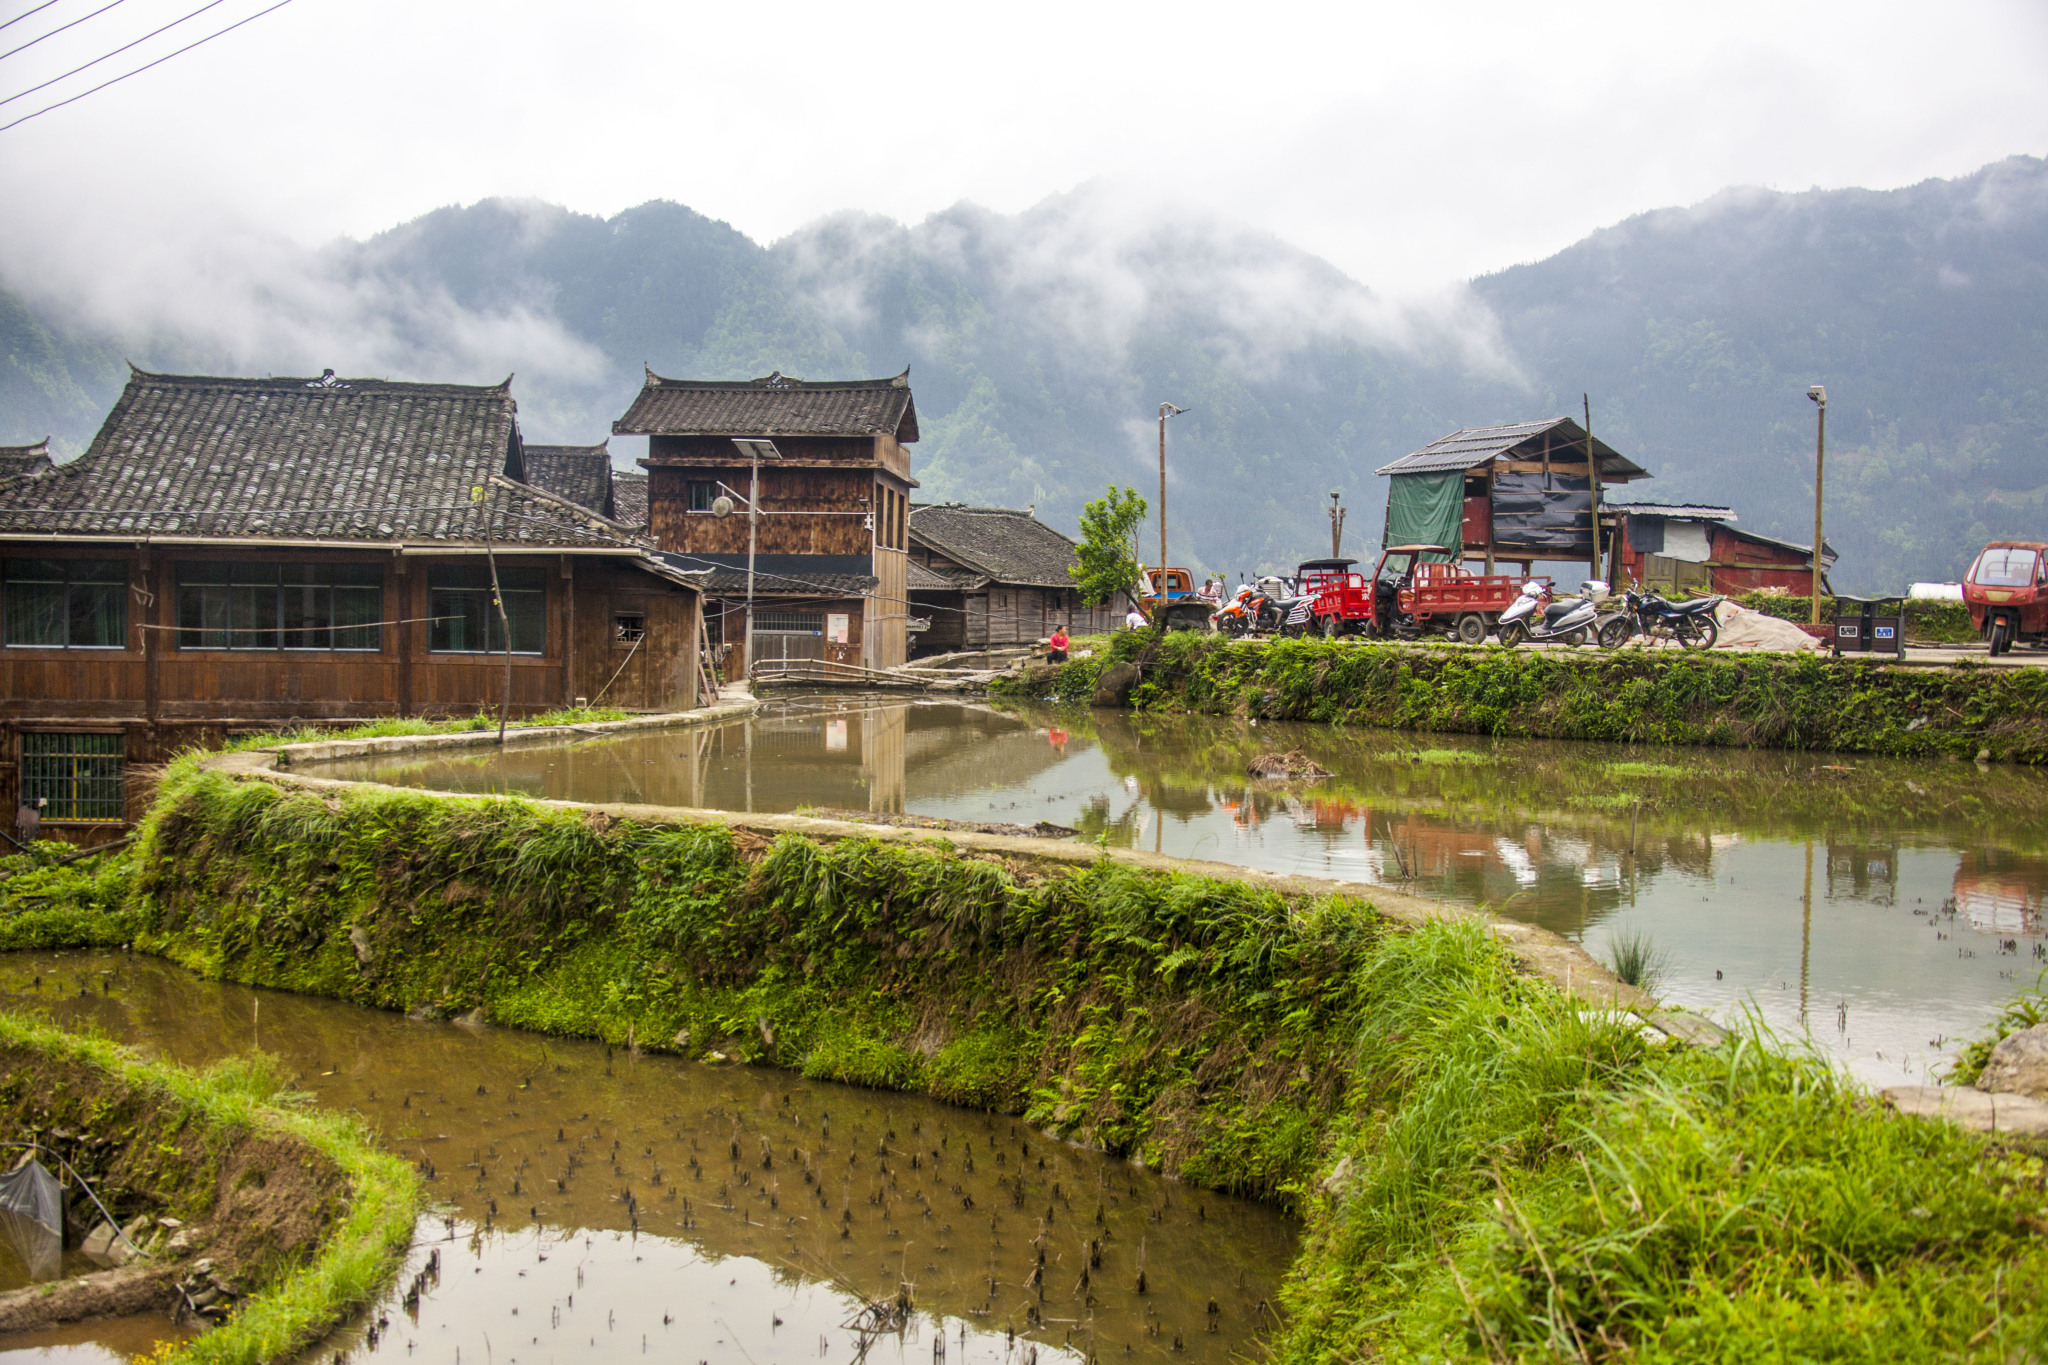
(1109, 546)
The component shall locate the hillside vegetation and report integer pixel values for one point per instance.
(1040, 343)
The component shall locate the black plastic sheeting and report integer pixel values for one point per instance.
(1646, 535)
(1551, 514)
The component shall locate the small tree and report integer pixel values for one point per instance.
(1109, 546)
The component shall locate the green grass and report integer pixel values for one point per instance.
(413, 725)
(1643, 769)
(245, 1094)
(1636, 961)
(1441, 756)
(1487, 1169)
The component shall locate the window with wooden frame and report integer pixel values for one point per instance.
(466, 621)
(74, 778)
(702, 493)
(267, 606)
(66, 603)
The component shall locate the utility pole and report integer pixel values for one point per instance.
(476, 496)
(1592, 473)
(1336, 525)
(756, 449)
(1819, 395)
(1166, 410)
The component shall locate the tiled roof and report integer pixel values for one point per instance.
(775, 405)
(1005, 545)
(582, 474)
(733, 583)
(25, 461)
(1470, 447)
(923, 579)
(301, 459)
(629, 499)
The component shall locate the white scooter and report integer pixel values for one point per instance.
(1534, 616)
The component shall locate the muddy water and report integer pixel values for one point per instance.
(1883, 907)
(600, 1205)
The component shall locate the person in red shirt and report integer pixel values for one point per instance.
(1057, 654)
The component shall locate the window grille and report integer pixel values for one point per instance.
(629, 627)
(466, 622)
(789, 623)
(281, 606)
(67, 603)
(78, 778)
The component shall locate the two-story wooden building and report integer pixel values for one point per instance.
(236, 555)
(831, 563)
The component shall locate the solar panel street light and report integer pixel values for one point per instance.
(756, 449)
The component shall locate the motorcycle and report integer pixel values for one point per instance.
(1251, 611)
(1535, 616)
(1690, 623)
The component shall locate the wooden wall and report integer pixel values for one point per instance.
(784, 491)
(166, 699)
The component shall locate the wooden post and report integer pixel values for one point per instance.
(1593, 476)
(568, 630)
(407, 609)
(1489, 521)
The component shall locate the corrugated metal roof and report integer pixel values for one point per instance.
(1470, 447)
(1677, 511)
(774, 405)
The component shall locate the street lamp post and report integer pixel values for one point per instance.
(1337, 511)
(1166, 410)
(1819, 395)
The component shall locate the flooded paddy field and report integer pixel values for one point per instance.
(599, 1204)
(1882, 907)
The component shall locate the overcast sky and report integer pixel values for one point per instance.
(1412, 144)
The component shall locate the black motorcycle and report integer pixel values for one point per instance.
(1691, 623)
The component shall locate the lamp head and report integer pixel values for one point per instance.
(1818, 394)
(721, 506)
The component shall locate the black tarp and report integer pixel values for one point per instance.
(1646, 535)
(1548, 514)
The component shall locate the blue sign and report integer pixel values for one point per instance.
(1886, 632)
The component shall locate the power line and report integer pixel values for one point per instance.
(145, 66)
(59, 29)
(19, 17)
(115, 53)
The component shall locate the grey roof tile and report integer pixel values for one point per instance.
(774, 405)
(582, 474)
(1000, 543)
(301, 459)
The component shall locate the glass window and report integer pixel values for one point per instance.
(703, 492)
(74, 777)
(280, 606)
(2004, 568)
(465, 621)
(67, 603)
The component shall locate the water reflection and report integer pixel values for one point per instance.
(598, 1203)
(1888, 904)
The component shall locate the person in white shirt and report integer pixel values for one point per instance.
(1135, 619)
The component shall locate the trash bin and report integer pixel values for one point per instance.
(1870, 625)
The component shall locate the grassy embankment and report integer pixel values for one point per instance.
(1488, 1170)
(204, 1146)
(1626, 696)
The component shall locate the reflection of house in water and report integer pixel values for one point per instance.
(1857, 871)
(2001, 892)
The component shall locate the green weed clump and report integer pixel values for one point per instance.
(1636, 961)
(1632, 696)
(78, 904)
(2022, 1012)
(392, 726)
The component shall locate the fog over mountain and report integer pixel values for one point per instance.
(1041, 343)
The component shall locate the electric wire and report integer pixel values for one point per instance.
(107, 56)
(26, 13)
(201, 42)
(59, 29)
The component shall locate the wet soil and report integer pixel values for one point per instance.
(600, 1203)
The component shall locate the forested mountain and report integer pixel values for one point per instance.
(1041, 343)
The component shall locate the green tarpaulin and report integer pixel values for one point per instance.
(1427, 509)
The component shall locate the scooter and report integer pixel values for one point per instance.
(1691, 623)
(1534, 616)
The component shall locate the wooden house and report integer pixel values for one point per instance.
(1524, 491)
(984, 576)
(239, 555)
(831, 564)
(1685, 547)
